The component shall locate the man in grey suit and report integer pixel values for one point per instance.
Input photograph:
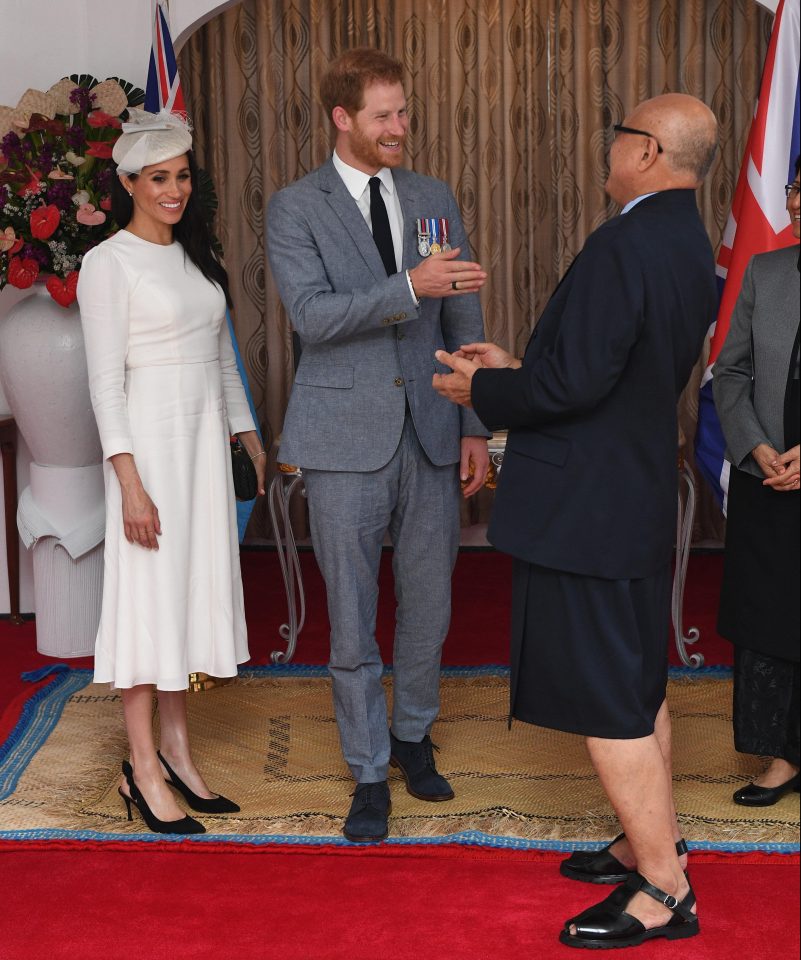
(371, 264)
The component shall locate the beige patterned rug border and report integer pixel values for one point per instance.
(269, 740)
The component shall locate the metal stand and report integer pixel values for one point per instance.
(684, 531)
(290, 479)
(282, 487)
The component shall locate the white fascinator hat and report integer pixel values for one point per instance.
(149, 138)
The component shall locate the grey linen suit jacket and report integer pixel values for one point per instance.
(367, 346)
(750, 373)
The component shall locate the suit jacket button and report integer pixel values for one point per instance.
(401, 316)
(398, 381)
(386, 321)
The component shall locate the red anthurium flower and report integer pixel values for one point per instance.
(100, 149)
(45, 221)
(105, 203)
(22, 273)
(40, 122)
(32, 186)
(63, 291)
(98, 118)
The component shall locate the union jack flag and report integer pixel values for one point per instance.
(758, 220)
(163, 90)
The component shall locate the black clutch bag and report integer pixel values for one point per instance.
(245, 482)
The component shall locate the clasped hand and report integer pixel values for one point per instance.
(464, 362)
(781, 470)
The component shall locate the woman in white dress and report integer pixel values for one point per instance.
(166, 394)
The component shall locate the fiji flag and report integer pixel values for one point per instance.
(758, 220)
(164, 93)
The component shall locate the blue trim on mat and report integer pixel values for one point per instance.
(467, 838)
(39, 716)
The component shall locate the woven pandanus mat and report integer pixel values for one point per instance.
(269, 741)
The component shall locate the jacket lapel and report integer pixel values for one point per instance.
(344, 206)
(408, 197)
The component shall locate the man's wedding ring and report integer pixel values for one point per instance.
(453, 285)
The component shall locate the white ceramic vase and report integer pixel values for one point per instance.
(60, 515)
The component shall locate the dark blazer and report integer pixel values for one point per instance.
(589, 478)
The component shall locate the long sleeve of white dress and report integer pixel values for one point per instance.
(103, 296)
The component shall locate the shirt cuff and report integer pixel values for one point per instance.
(411, 289)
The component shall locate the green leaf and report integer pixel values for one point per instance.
(84, 80)
(135, 95)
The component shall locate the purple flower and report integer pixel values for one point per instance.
(75, 137)
(11, 146)
(83, 99)
(104, 180)
(29, 251)
(60, 193)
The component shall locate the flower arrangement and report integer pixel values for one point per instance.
(55, 179)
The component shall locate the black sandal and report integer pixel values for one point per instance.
(607, 925)
(600, 866)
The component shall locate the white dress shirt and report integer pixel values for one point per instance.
(357, 183)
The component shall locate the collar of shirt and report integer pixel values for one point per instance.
(357, 184)
(356, 181)
(635, 201)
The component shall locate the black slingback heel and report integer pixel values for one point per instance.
(185, 825)
(201, 804)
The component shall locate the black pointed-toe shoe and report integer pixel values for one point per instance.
(601, 866)
(416, 762)
(185, 825)
(368, 819)
(201, 804)
(756, 796)
(607, 926)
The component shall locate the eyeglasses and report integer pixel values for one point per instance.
(619, 128)
(791, 190)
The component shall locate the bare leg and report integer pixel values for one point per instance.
(634, 775)
(779, 772)
(175, 741)
(664, 737)
(137, 706)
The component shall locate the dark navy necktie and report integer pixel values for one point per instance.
(381, 232)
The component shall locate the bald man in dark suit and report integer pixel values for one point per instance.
(587, 498)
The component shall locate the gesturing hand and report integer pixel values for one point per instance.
(442, 275)
(455, 386)
(488, 355)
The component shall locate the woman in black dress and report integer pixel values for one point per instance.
(756, 388)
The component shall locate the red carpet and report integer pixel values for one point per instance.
(163, 901)
(388, 904)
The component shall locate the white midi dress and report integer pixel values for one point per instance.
(165, 388)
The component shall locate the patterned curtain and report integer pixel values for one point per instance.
(511, 102)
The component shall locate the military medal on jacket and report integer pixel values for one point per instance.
(432, 235)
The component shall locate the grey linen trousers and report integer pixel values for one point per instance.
(418, 503)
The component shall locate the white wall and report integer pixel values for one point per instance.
(41, 43)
